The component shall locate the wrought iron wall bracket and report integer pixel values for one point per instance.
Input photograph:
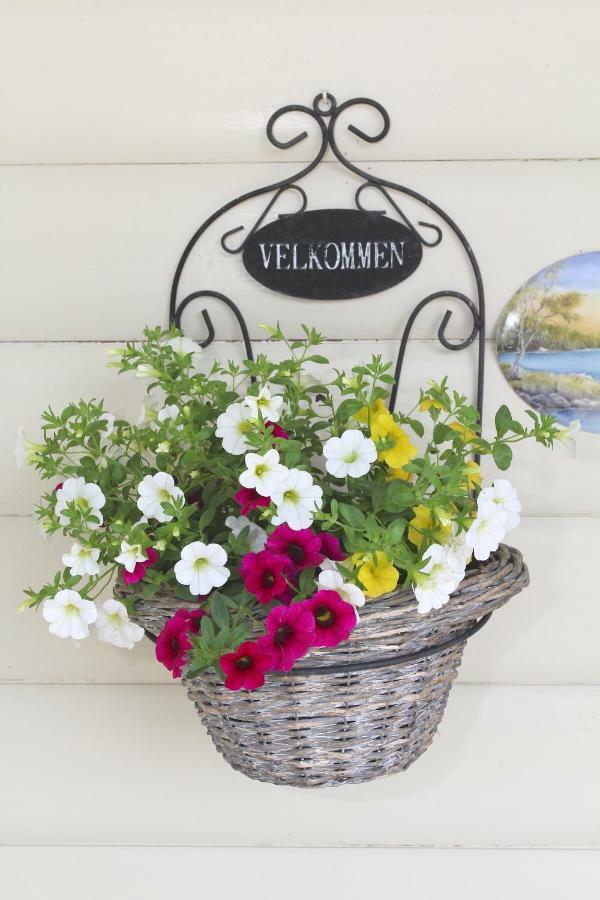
(327, 113)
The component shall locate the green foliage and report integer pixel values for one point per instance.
(368, 514)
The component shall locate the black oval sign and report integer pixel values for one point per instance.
(332, 254)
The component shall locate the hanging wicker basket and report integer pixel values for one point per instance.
(364, 709)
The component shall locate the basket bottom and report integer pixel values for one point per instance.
(328, 730)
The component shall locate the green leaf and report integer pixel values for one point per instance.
(503, 421)
(352, 515)
(378, 495)
(442, 433)
(400, 495)
(347, 409)
(396, 530)
(207, 629)
(307, 582)
(218, 610)
(502, 454)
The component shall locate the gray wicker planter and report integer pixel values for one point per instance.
(355, 712)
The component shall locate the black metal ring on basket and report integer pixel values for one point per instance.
(389, 660)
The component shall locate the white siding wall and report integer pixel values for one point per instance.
(123, 126)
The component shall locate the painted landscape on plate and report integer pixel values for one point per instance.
(548, 341)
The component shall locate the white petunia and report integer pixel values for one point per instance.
(202, 567)
(182, 346)
(25, 450)
(69, 615)
(169, 413)
(87, 497)
(257, 536)
(351, 593)
(114, 626)
(130, 556)
(155, 490)
(440, 575)
(296, 499)
(503, 495)
(263, 473)
(109, 423)
(269, 407)
(82, 560)
(232, 427)
(145, 370)
(459, 552)
(351, 454)
(568, 436)
(487, 531)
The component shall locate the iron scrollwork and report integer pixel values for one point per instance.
(326, 113)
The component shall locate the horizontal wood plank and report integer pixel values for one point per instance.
(549, 482)
(511, 766)
(546, 635)
(154, 873)
(90, 252)
(182, 82)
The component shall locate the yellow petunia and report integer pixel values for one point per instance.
(465, 433)
(402, 451)
(394, 474)
(363, 414)
(472, 473)
(428, 403)
(377, 576)
(421, 522)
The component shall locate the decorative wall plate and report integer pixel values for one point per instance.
(548, 340)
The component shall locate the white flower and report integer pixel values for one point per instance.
(487, 531)
(169, 413)
(351, 454)
(328, 565)
(257, 536)
(232, 426)
(114, 627)
(148, 412)
(87, 497)
(459, 552)
(438, 578)
(568, 436)
(82, 560)
(263, 473)
(296, 499)
(130, 556)
(145, 370)
(25, 450)
(182, 346)
(351, 593)
(268, 406)
(503, 495)
(202, 567)
(69, 615)
(155, 490)
(109, 421)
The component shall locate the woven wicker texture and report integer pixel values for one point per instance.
(318, 728)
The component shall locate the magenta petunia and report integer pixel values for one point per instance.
(334, 618)
(331, 547)
(58, 486)
(173, 643)
(302, 548)
(140, 568)
(247, 499)
(277, 431)
(264, 575)
(290, 633)
(245, 667)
